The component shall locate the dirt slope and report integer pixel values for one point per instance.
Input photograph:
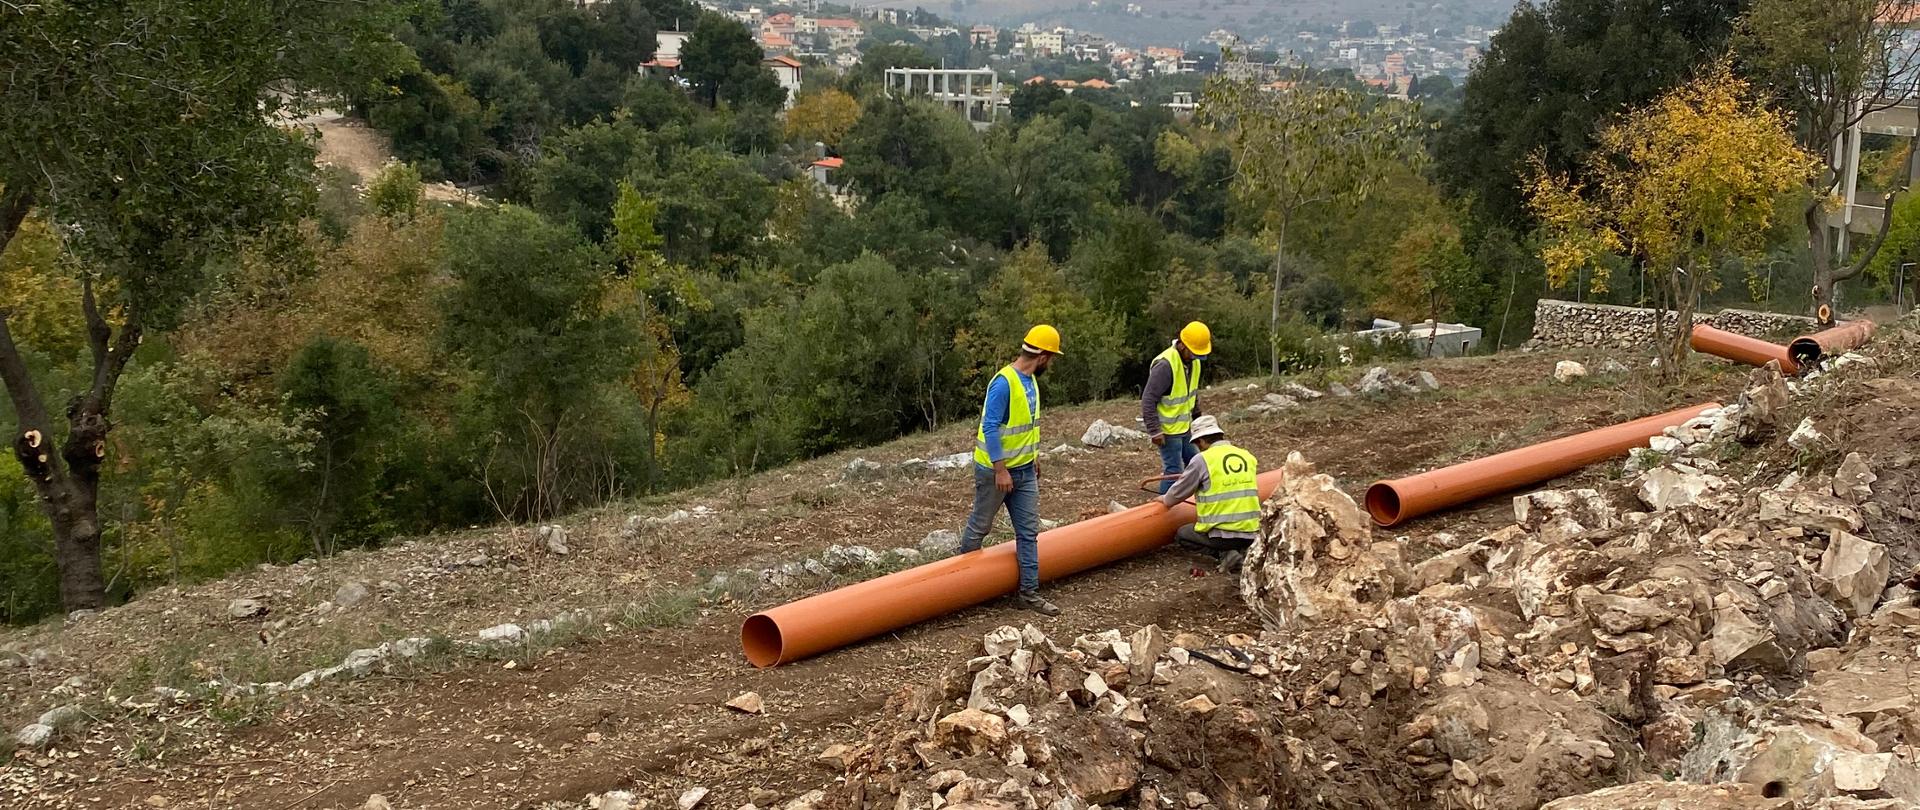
(635, 704)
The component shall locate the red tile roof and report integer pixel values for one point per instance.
(830, 163)
(786, 60)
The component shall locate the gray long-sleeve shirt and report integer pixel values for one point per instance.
(1159, 387)
(1194, 480)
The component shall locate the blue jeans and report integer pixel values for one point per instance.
(1174, 455)
(1023, 506)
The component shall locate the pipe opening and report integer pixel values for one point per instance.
(760, 637)
(1805, 351)
(1383, 502)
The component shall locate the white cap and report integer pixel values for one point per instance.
(1203, 427)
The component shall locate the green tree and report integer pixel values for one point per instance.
(1058, 182)
(526, 316)
(351, 409)
(1313, 145)
(1676, 188)
(145, 130)
(395, 192)
(915, 148)
(1555, 74)
(1027, 289)
(724, 64)
(1830, 65)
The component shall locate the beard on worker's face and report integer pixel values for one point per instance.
(1045, 362)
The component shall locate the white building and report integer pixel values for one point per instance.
(786, 71)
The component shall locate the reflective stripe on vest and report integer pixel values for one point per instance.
(1231, 501)
(1176, 408)
(1020, 436)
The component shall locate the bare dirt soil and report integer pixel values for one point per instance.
(637, 705)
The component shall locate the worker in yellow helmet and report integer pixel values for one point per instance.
(1224, 483)
(1006, 452)
(1171, 398)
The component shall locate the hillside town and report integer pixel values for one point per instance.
(1391, 59)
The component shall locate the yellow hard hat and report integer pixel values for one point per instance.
(1043, 338)
(1198, 338)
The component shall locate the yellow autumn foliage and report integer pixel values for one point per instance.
(1692, 177)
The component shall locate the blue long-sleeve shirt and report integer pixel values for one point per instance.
(994, 414)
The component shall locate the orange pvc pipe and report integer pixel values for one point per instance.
(1742, 349)
(1402, 499)
(1810, 349)
(837, 618)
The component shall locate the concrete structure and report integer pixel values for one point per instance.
(1895, 112)
(1427, 338)
(975, 94)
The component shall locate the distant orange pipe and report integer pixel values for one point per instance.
(1402, 499)
(834, 619)
(1742, 349)
(1810, 349)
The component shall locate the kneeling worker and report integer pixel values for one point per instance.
(1223, 480)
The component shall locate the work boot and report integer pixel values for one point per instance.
(1230, 562)
(1038, 604)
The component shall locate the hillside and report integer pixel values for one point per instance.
(1171, 22)
(632, 699)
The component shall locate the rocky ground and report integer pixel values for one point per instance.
(1731, 623)
(594, 659)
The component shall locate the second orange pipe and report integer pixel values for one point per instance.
(1402, 499)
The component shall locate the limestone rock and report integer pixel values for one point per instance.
(379, 802)
(1101, 434)
(1853, 481)
(350, 594)
(1806, 436)
(1425, 380)
(1568, 371)
(1674, 486)
(1378, 382)
(1298, 391)
(1001, 641)
(246, 609)
(554, 538)
(1671, 796)
(747, 703)
(1272, 403)
(1788, 760)
(970, 730)
(1853, 572)
(1148, 643)
(1339, 391)
(502, 634)
(1875, 776)
(691, 799)
(940, 543)
(34, 736)
(1315, 560)
(862, 470)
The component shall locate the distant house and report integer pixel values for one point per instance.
(841, 33)
(1097, 84)
(666, 56)
(984, 36)
(786, 71)
(823, 172)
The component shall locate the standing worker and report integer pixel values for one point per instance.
(1006, 453)
(1225, 480)
(1170, 400)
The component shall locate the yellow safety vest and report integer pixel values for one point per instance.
(1176, 408)
(1020, 436)
(1231, 500)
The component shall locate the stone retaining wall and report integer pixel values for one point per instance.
(1605, 326)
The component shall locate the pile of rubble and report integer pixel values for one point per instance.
(1739, 630)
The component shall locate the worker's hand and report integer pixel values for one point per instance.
(1003, 480)
(1159, 440)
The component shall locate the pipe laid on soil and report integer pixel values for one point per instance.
(836, 618)
(1810, 349)
(1742, 349)
(1402, 499)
